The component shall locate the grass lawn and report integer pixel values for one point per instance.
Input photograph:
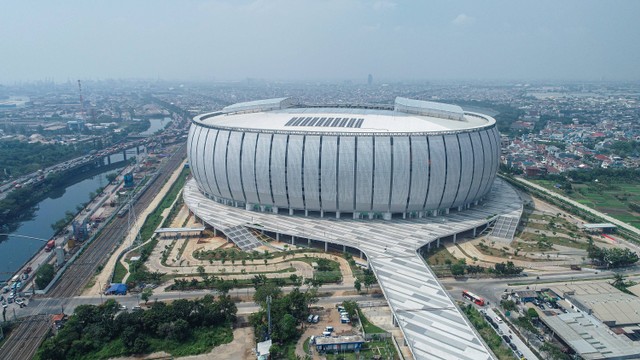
(438, 256)
(612, 199)
(368, 327)
(119, 272)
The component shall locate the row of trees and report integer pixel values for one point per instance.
(611, 258)
(93, 328)
(460, 267)
(19, 158)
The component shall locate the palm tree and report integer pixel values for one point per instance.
(618, 280)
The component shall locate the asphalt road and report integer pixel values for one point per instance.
(505, 330)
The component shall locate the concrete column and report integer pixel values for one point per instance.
(459, 208)
(370, 216)
(290, 211)
(321, 213)
(306, 212)
(455, 237)
(356, 215)
(277, 236)
(293, 240)
(361, 254)
(215, 232)
(337, 214)
(474, 231)
(438, 242)
(434, 213)
(309, 242)
(274, 209)
(248, 207)
(446, 211)
(326, 246)
(429, 246)
(344, 248)
(386, 216)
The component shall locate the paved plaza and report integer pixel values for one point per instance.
(428, 317)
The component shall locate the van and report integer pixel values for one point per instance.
(316, 318)
(310, 318)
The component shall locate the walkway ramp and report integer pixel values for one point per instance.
(504, 228)
(242, 237)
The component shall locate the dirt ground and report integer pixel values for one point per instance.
(328, 317)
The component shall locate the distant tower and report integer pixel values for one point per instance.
(370, 79)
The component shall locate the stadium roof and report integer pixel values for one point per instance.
(407, 116)
(429, 319)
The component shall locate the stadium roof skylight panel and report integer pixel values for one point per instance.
(325, 122)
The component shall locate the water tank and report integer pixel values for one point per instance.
(59, 256)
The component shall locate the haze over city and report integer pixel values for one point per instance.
(320, 40)
(320, 180)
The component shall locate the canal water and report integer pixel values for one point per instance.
(15, 251)
(156, 124)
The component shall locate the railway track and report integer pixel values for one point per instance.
(25, 339)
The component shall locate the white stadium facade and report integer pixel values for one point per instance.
(413, 159)
(384, 181)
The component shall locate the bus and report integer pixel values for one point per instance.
(473, 298)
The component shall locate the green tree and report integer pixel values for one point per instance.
(44, 275)
(146, 294)
(457, 269)
(357, 285)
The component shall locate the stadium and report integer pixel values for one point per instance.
(412, 159)
(382, 182)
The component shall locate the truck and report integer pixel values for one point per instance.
(50, 245)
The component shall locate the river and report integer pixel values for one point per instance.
(15, 251)
(156, 125)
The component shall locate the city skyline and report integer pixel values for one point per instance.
(309, 41)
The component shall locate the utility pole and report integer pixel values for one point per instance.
(269, 316)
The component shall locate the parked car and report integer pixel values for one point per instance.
(310, 318)
(498, 319)
(316, 318)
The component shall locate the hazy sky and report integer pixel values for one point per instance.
(315, 40)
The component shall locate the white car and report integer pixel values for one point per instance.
(498, 320)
